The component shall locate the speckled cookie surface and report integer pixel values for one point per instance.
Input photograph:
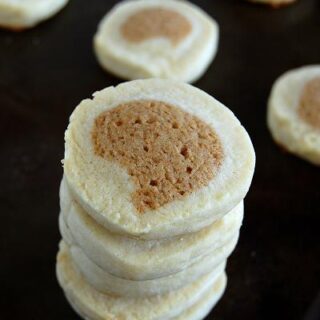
(144, 137)
(156, 22)
(309, 104)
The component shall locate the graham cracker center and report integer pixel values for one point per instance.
(309, 106)
(168, 152)
(154, 23)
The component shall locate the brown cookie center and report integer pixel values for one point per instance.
(309, 106)
(168, 152)
(154, 23)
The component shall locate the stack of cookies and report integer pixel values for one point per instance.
(155, 173)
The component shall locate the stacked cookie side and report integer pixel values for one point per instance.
(155, 173)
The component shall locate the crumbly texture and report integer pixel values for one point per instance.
(156, 22)
(309, 106)
(168, 152)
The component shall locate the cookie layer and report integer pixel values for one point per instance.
(104, 188)
(109, 284)
(94, 305)
(139, 259)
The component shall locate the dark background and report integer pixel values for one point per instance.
(45, 72)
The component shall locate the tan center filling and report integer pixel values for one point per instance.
(168, 152)
(309, 107)
(156, 22)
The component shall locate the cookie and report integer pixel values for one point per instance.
(19, 15)
(139, 259)
(156, 39)
(196, 298)
(274, 3)
(104, 282)
(156, 158)
(294, 112)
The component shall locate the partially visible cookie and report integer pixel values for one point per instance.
(294, 112)
(91, 304)
(156, 38)
(137, 259)
(107, 283)
(274, 3)
(19, 15)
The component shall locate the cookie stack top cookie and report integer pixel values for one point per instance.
(156, 158)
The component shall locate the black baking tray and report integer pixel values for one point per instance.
(44, 73)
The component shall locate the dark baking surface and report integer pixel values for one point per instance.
(44, 73)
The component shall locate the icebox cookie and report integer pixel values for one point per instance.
(102, 280)
(139, 259)
(187, 303)
(274, 3)
(156, 38)
(156, 158)
(294, 112)
(109, 284)
(22, 14)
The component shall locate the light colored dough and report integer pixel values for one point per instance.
(198, 311)
(21, 14)
(158, 57)
(203, 307)
(287, 127)
(137, 259)
(104, 189)
(109, 284)
(91, 304)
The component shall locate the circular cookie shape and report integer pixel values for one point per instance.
(294, 112)
(274, 3)
(156, 158)
(91, 304)
(18, 15)
(138, 259)
(156, 39)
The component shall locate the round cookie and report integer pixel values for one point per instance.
(18, 15)
(294, 112)
(274, 3)
(213, 263)
(156, 158)
(156, 39)
(138, 259)
(92, 304)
